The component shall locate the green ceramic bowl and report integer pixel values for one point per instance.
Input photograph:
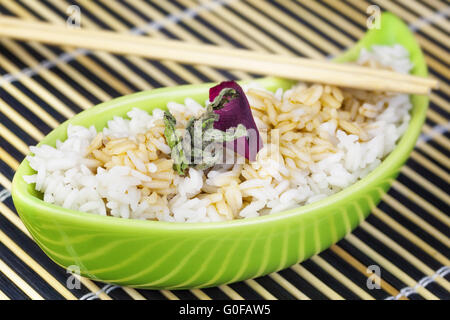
(153, 254)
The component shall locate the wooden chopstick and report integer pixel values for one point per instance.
(327, 72)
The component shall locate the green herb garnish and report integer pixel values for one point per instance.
(201, 145)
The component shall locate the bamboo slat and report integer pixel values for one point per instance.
(345, 75)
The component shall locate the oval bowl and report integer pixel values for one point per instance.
(154, 254)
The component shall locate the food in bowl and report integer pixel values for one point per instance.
(310, 141)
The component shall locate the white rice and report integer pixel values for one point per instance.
(67, 177)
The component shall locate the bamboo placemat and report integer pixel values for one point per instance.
(406, 236)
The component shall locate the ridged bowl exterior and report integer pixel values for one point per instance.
(152, 254)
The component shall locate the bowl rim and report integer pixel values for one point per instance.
(395, 158)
